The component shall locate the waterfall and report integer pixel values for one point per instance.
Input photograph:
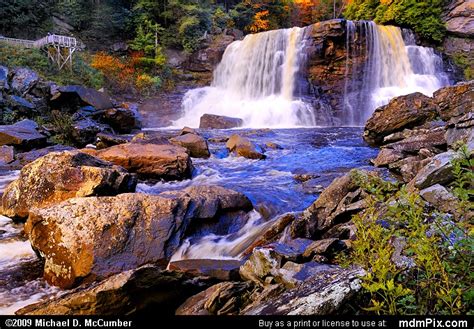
(255, 81)
(392, 68)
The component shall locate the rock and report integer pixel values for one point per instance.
(402, 112)
(343, 231)
(153, 137)
(7, 154)
(460, 129)
(441, 198)
(206, 58)
(218, 139)
(187, 130)
(21, 105)
(28, 157)
(387, 156)
(211, 121)
(459, 18)
(409, 167)
(23, 80)
(60, 176)
(195, 144)
(226, 298)
(326, 247)
(107, 140)
(96, 237)
(175, 58)
(455, 100)
(221, 269)
(437, 171)
(312, 186)
(120, 47)
(82, 96)
(4, 78)
(273, 146)
(168, 162)
(319, 217)
(242, 146)
(426, 139)
(85, 131)
(323, 293)
(146, 288)
(122, 120)
(23, 134)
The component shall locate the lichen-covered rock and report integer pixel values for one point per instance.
(244, 147)
(96, 237)
(60, 176)
(195, 144)
(455, 100)
(23, 134)
(23, 80)
(459, 18)
(400, 113)
(441, 198)
(125, 293)
(168, 162)
(437, 171)
(80, 96)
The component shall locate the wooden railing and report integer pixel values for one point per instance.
(53, 39)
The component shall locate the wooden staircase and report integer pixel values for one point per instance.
(59, 48)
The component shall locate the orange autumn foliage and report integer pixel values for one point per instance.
(260, 22)
(119, 73)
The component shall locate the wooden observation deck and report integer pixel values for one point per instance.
(59, 48)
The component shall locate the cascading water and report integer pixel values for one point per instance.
(255, 81)
(392, 67)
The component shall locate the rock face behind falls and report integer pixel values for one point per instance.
(97, 237)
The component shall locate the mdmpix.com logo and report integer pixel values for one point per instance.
(432, 323)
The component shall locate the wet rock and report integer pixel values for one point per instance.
(107, 140)
(28, 157)
(319, 216)
(323, 293)
(7, 154)
(441, 198)
(152, 137)
(146, 288)
(402, 112)
(23, 134)
(23, 80)
(195, 144)
(222, 298)
(95, 237)
(206, 58)
(122, 120)
(60, 176)
(303, 176)
(211, 121)
(168, 162)
(221, 269)
(455, 100)
(242, 146)
(81, 96)
(313, 186)
(437, 171)
(222, 139)
(273, 146)
(187, 130)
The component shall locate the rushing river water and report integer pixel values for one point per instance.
(270, 184)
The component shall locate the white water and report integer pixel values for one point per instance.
(255, 81)
(257, 76)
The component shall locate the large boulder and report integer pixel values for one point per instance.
(123, 119)
(129, 292)
(206, 58)
(23, 80)
(400, 113)
(7, 154)
(96, 237)
(212, 121)
(455, 100)
(244, 147)
(441, 198)
(30, 156)
(23, 134)
(437, 171)
(195, 144)
(220, 269)
(85, 131)
(21, 105)
(81, 96)
(168, 162)
(61, 176)
(459, 18)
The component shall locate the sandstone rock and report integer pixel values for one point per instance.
(402, 112)
(459, 18)
(107, 140)
(146, 288)
(437, 171)
(85, 131)
(187, 130)
(221, 269)
(430, 139)
(95, 237)
(28, 157)
(122, 120)
(211, 121)
(23, 80)
(460, 129)
(323, 293)
(317, 217)
(23, 134)
(440, 198)
(242, 146)
(82, 96)
(323, 247)
(205, 59)
(195, 144)
(387, 156)
(409, 167)
(222, 298)
(60, 176)
(168, 162)
(455, 100)
(7, 154)
(153, 137)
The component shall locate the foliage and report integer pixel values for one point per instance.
(62, 125)
(433, 274)
(463, 184)
(466, 64)
(424, 17)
